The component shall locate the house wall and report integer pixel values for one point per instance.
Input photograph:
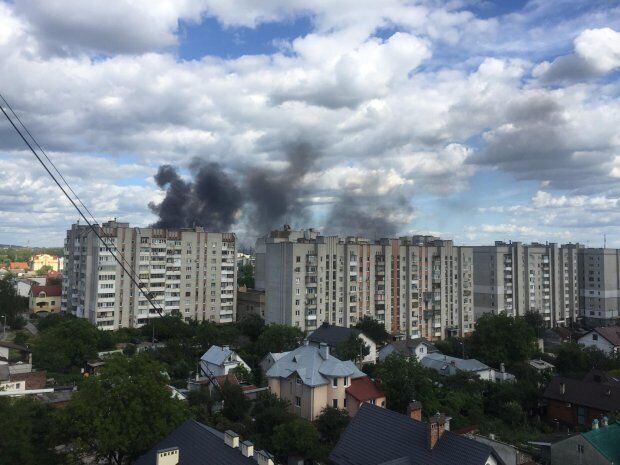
(567, 413)
(353, 405)
(567, 452)
(49, 304)
(594, 339)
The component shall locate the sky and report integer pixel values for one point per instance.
(473, 120)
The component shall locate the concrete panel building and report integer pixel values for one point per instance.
(515, 278)
(190, 272)
(421, 286)
(599, 278)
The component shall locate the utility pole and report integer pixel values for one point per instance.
(4, 328)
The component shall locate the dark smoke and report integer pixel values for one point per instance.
(276, 195)
(212, 200)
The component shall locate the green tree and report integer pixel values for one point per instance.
(27, 432)
(373, 329)
(353, 348)
(403, 380)
(251, 325)
(11, 304)
(245, 276)
(331, 423)
(502, 339)
(201, 403)
(123, 411)
(269, 411)
(297, 437)
(535, 321)
(66, 346)
(44, 270)
(279, 338)
(236, 405)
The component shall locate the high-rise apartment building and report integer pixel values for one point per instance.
(190, 272)
(515, 278)
(420, 286)
(599, 278)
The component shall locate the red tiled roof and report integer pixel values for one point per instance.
(221, 380)
(18, 266)
(364, 389)
(53, 274)
(50, 291)
(34, 379)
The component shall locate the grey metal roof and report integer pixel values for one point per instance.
(311, 367)
(377, 436)
(332, 335)
(447, 365)
(216, 355)
(198, 445)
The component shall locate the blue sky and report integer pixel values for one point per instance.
(474, 120)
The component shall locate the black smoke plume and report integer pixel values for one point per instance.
(212, 200)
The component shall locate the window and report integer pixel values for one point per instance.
(595, 337)
(297, 401)
(345, 402)
(335, 403)
(346, 381)
(298, 380)
(335, 382)
(580, 448)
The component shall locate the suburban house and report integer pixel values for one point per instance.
(380, 436)
(363, 390)
(334, 335)
(269, 359)
(45, 299)
(18, 266)
(599, 446)
(605, 338)
(310, 378)
(16, 375)
(216, 383)
(577, 403)
(449, 366)
(420, 347)
(193, 443)
(541, 366)
(219, 361)
(39, 261)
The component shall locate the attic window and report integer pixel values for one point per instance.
(595, 337)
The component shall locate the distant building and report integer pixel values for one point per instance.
(380, 436)
(606, 338)
(220, 360)
(188, 272)
(310, 378)
(576, 403)
(600, 446)
(333, 336)
(193, 443)
(420, 286)
(45, 299)
(541, 365)
(599, 280)
(39, 261)
(515, 278)
(245, 259)
(419, 347)
(270, 359)
(446, 365)
(17, 267)
(250, 302)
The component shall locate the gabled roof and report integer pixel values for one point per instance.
(606, 440)
(198, 445)
(332, 335)
(377, 436)
(12, 345)
(447, 365)
(216, 355)
(364, 389)
(610, 333)
(50, 291)
(312, 367)
(408, 346)
(601, 396)
(18, 266)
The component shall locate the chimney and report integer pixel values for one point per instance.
(435, 429)
(324, 350)
(502, 368)
(247, 449)
(231, 439)
(264, 458)
(414, 410)
(562, 388)
(605, 422)
(168, 456)
(595, 424)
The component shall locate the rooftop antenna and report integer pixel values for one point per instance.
(604, 241)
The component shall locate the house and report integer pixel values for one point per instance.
(334, 335)
(604, 338)
(193, 443)
(380, 436)
(24, 364)
(269, 359)
(45, 299)
(18, 266)
(362, 390)
(541, 366)
(219, 361)
(599, 446)
(420, 347)
(449, 366)
(576, 403)
(510, 454)
(310, 378)
(216, 383)
(250, 302)
(39, 261)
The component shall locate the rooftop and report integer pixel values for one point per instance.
(50, 291)
(606, 440)
(332, 335)
(313, 366)
(400, 440)
(447, 365)
(217, 355)
(611, 333)
(364, 389)
(603, 396)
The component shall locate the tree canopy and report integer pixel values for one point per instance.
(373, 329)
(353, 348)
(11, 304)
(279, 338)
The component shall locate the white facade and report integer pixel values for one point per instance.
(219, 361)
(596, 340)
(190, 272)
